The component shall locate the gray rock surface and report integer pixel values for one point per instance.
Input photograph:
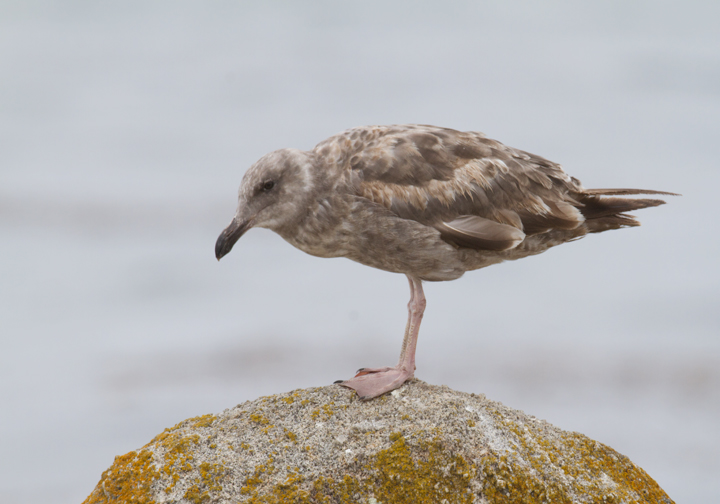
(419, 444)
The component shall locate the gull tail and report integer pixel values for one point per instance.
(604, 209)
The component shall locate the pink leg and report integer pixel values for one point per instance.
(372, 382)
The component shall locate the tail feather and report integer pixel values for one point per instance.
(624, 192)
(595, 207)
(611, 222)
(605, 213)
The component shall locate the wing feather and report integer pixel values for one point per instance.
(475, 232)
(476, 191)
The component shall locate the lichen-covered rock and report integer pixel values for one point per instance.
(419, 444)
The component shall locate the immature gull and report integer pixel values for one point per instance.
(425, 201)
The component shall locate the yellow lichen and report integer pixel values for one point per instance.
(210, 475)
(401, 474)
(131, 476)
(431, 475)
(259, 419)
(203, 421)
(178, 456)
(537, 466)
(505, 482)
(326, 411)
(129, 480)
(587, 467)
(193, 495)
(254, 481)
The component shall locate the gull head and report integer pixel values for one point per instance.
(274, 193)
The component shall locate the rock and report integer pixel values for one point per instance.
(419, 444)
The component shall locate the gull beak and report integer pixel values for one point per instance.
(230, 235)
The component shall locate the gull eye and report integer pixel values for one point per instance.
(268, 185)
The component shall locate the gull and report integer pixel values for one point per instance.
(425, 201)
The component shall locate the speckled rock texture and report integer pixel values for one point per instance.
(419, 444)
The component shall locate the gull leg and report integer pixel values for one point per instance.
(372, 382)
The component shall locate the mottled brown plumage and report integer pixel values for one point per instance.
(428, 202)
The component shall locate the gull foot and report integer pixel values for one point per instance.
(369, 383)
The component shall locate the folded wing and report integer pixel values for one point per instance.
(477, 192)
(475, 232)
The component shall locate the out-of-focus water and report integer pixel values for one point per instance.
(125, 128)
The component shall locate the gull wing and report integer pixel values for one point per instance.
(471, 188)
(475, 232)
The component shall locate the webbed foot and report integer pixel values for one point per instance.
(373, 382)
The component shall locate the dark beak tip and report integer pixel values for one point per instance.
(222, 246)
(229, 236)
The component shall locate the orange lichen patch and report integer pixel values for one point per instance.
(259, 419)
(178, 457)
(291, 491)
(194, 495)
(132, 477)
(198, 421)
(402, 474)
(555, 470)
(426, 473)
(129, 480)
(202, 421)
(210, 475)
(506, 482)
(287, 492)
(254, 481)
(326, 411)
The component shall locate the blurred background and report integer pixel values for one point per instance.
(125, 128)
